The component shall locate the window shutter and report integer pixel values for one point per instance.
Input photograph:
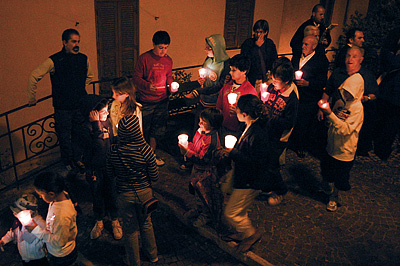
(239, 16)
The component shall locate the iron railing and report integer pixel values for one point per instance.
(39, 137)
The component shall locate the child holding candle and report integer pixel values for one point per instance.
(152, 77)
(241, 86)
(203, 177)
(61, 230)
(282, 107)
(346, 119)
(31, 248)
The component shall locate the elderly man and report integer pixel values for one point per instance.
(354, 36)
(314, 67)
(70, 72)
(317, 19)
(354, 59)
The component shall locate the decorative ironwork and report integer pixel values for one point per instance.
(44, 134)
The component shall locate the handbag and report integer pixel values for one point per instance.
(149, 205)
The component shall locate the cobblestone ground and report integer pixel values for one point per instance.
(364, 230)
(299, 231)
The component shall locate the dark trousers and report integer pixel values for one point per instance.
(69, 129)
(277, 184)
(63, 261)
(104, 195)
(337, 172)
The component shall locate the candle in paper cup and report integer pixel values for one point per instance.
(265, 96)
(298, 74)
(232, 98)
(24, 217)
(174, 86)
(183, 140)
(323, 104)
(202, 73)
(230, 141)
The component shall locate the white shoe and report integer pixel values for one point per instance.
(117, 229)
(96, 231)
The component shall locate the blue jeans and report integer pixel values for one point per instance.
(134, 222)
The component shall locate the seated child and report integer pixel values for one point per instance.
(200, 152)
(31, 248)
(61, 230)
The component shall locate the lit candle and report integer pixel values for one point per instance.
(24, 217)
(230, 141)
(202, 73)
(183, 140)
(232, 98)
(265, 96)
(323, 104)
(263, 87)
(298, 74)
(174, 86)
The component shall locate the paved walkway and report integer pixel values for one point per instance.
(299, 231)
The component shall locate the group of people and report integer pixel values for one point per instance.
(115, 143)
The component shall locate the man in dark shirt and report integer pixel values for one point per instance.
(69, 73)
(317, 19)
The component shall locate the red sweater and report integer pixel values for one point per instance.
(152, 69)
(230, 120)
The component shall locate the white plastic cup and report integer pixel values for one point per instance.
(183, 140)
(265, 96)
(174, 86)
(230, 141)
(298, 74)
(232, 98)
(24, 217)
(202, 73)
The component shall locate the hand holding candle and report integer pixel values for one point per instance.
(183, 140)
(324, 105)
(174, 86)
(230, 141)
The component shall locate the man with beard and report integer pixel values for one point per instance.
(70, 72)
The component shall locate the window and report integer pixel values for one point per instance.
(239, 16)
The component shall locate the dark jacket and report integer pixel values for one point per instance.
(269, 53)
(251, 159)
(314, 71)
(297, 40)
(68, 80)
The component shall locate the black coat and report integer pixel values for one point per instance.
(250, 156)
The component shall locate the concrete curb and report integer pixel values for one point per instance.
(248, 258)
